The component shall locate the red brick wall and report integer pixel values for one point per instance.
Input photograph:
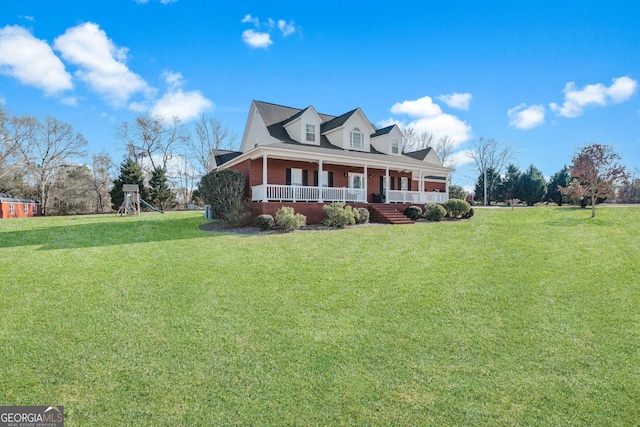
(5, 210)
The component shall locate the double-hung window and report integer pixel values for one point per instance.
(395, 146)
(12, 209)
(311, 133)
(296, 176)
(356, 139)
(26, 209)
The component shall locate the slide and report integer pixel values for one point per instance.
(147, 205)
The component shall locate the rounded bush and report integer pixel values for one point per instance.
(457, 208)
(338, 215)
(288, 220)
(364, 215)
(265, 222)
(413, 212)
(434, 212)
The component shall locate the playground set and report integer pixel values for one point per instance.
(132, 201)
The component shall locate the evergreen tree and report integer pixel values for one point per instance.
(532, 186)
(457, 192)
(510, 188)
(493, 186)
(130, 173)
(562, 179)
(160, 194)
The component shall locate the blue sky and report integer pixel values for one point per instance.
(546, 76)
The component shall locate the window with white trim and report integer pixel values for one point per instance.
(311, 133)
(404, 183)
(325, 178)
(296, 176)
(12, 209)
(356, 139)
(26, 209)
(35, 209)
(356, 180)
(395, 146)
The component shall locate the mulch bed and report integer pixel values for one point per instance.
(219, 226)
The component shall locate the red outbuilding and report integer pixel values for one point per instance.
(11, 207)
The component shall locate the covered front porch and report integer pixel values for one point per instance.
(290, 178)
(299, 193)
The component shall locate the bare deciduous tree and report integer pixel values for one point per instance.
(101, 168)
(11, 139)
(414, 141)
(150, 141)
(489, 153)
(210, 134)
(51, 146)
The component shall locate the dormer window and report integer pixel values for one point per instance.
(356, 139)
(311, 133)
(395, 146)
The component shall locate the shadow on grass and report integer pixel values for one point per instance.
(108, 232)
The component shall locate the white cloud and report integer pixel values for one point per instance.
(457, 100)
(460, 158)
(256, 39)
(428, 117)
(176, 102)
(286, 28)
(28, 18)
(32, 61)
(173, 80)
(2, 100)
(576, 100)
(101, 63)
(250, 19)
(71, 101)
(184, 105)
(523, 117)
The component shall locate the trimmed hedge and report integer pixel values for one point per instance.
(413, 212)
(265, 222)
(364, 215)
(434, 212)
(457, 208)
(288, 220)
(338, 215)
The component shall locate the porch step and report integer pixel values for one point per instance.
(387, 214)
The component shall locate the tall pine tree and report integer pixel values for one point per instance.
(533, 186)
(559, 179)
(130, 173)
(160, 194)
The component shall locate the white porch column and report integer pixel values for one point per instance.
(421, 187)
(447, 186)
(320, 183)
(386, 188)
(264, 178)
(366, 186)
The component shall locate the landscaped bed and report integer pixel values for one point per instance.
(516, 317)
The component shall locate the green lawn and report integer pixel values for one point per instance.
(524, 317)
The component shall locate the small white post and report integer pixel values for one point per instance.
(264, 178)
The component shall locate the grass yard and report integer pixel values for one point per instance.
(524, 317)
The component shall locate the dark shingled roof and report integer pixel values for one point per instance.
(336, 122)
(420, 154)
(223, 156)
(382, 131)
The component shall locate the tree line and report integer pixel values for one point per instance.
(595, 175)
(47, 160)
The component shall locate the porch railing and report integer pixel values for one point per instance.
(300, 193)
(401, 196)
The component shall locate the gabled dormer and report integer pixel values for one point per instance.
(427, 155)
(388, 140)
(304, 127)
(350, 131)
